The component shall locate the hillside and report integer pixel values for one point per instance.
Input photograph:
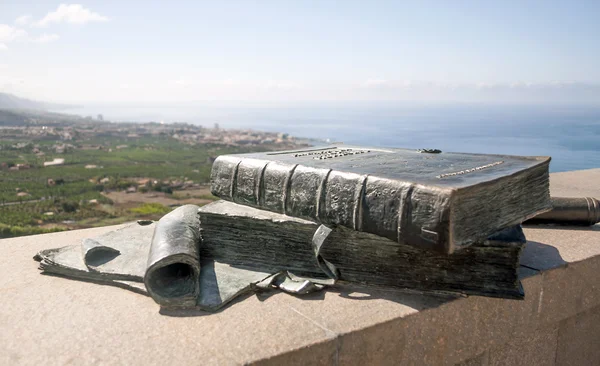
(10, 101)
(61, 172)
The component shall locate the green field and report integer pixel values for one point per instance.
(57, 198)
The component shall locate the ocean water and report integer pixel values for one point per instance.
(569, 134)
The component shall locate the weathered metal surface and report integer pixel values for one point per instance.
(438, 201)
(163, 260)
(173, 270)
(204, 258)
(570, 211)
(245, 236)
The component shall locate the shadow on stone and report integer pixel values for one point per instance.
(540, 256)
(187, 313)
(108, 282)
(411, 298)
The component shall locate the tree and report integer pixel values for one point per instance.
(70, 206)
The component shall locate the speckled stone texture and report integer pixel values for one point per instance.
(50, 320)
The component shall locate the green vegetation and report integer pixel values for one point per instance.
(150, 209)
(161, 159)
(39, 199)
(42, 199)
(187, 195)
(7, 231)
(107, 173)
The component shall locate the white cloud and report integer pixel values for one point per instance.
(71, 13)
(10, 34)
(231, 82)
(23, 20)
(375, 83)
(179, 82)
(485, 91)
(279, 85)
(481, 86)
(46, 38)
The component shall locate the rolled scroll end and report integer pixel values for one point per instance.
(583, 211)
(173, 281)
(594, 210)
(172, 275)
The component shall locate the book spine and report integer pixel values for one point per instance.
(401, 211)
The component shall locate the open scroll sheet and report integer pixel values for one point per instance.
(205, 257)
(162, 259)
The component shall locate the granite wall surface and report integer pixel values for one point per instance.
(51, 320)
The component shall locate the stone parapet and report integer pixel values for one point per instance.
(51, 320)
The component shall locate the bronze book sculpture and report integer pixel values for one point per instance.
(244, 236)
(426, 198)
(381, 228)
(206, 257)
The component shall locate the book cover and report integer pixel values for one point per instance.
(425, 198)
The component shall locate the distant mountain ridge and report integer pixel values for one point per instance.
(10, 101)
(16, 111)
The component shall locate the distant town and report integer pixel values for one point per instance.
(62, 172)
(71, 132)
(70, 137)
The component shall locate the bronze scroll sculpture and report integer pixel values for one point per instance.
(162, 259)
(421, 221)
(583, 211)
(205, 257)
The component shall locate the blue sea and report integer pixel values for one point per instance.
(569, 134)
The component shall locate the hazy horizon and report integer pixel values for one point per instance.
(286, 53)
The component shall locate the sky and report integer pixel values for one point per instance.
(114, 51)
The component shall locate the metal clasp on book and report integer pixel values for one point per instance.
(429, 235)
